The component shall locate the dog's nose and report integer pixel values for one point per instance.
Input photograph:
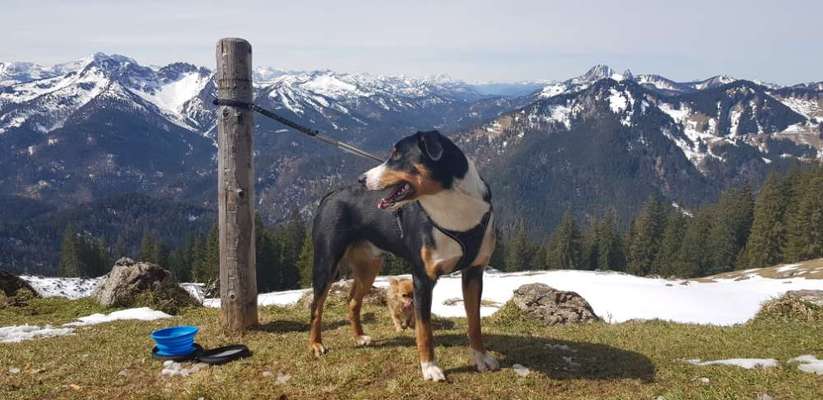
(362, 179)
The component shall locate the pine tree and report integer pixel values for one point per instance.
(565, 248)
(305, 264)
(288, 241)
(180, 261)
(670, 243)
(206, 268)
(198, 261)
(645, 238)
(149, 251)
(691, 261)
(805, 220)
(266, 258)
(120, 247)
(498, 259)
(98, 261)
(394, 265)
(590, 246)
(768, 233)
(70, 262)
(163, 255)
(610, 251)
(518, 250)
(212, 256)
(730, 227)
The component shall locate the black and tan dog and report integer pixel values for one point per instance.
(427, 204)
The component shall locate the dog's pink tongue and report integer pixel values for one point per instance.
(382, 204)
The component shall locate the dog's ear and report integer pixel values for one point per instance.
(430, 144)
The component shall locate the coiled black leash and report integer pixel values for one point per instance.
(300, 128)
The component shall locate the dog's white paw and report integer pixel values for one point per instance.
(483, 361)
(431, 372)
(363, 340)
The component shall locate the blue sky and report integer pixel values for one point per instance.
(776, 41)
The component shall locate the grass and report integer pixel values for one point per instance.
(634, 360)
(811, 269)
(790, 308)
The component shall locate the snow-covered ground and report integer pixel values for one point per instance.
(615, 297)
(72, 288)
(19, 333)
(808, 363)
(747, 363)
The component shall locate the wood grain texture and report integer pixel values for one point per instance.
(235, 177)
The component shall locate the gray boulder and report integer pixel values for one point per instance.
(811, 296)
(131, 283)
(552, 307)
(10, 284)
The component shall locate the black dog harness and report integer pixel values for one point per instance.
(470, 241)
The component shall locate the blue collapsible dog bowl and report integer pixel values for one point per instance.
(175, 341)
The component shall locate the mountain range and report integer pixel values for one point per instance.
(76, 134)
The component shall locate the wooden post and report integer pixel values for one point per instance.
(235, 188)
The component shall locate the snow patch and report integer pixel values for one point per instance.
(140, 314)
(617, 101)
(284, 298)
(173, 95)
(19, 333)
(747, 363)
(70, 288)
(621, 296)
(808, 363)
(788, 267)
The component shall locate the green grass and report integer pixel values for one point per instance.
(635, 360)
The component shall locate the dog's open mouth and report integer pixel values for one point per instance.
(398, 193)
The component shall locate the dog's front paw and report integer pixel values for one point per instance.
(431, 372)
(484, 362)
(318, 349)
(362, 340)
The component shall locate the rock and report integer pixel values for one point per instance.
(811, 296)
(552, 307)
(132, 283)
(282, 378)
(452, 301)
(339, 295)
(10, 284)
(520, 370)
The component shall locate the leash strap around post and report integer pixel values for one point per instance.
(300, 128)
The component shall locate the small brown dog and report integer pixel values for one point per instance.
(400, 300)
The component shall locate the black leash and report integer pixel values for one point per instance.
(300, 128)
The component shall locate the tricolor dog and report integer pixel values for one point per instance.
(427, 204)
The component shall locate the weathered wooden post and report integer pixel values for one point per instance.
(235, 187)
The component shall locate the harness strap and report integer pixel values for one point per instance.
(470, 241)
